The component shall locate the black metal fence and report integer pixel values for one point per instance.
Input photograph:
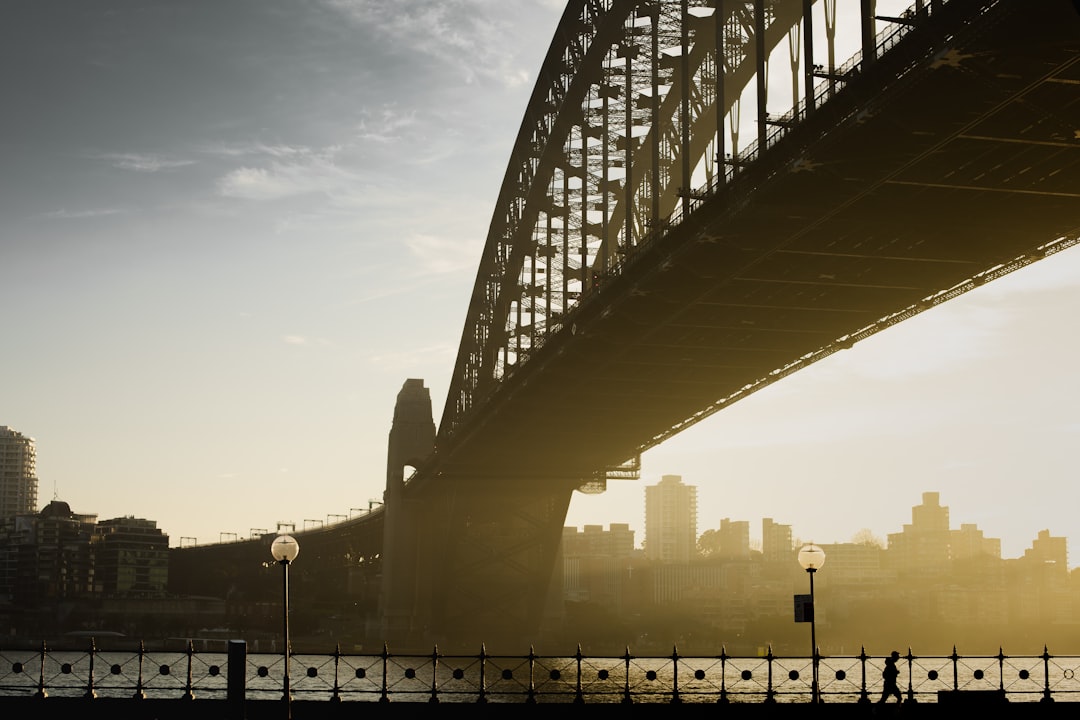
(385, 677)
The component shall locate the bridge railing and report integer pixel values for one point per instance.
(530, 678)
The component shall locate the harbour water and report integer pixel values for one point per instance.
(516, 679)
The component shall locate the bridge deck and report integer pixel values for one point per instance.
(937, 163)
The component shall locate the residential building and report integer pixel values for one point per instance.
(922, 548)
(670, 520)
(734, 539)
(776, 542)
(131, 558)
(18, 481)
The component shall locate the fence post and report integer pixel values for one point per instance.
(910, 687)
(1047, 697)
(530, 695)
(578, 697)
(90, 692)
(723, 675)
(140, 694)
(864, 697)
(770, 691)
(675, 675)
(236, 682)
(42, 693)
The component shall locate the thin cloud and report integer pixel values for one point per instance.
(439, 255)
(304, 340)
(417, 357)
(385, 125)
(146, 163)
(464, 35)
(63, 214)
(305, 175)
(257, 149)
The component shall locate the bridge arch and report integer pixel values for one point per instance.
(626, 106)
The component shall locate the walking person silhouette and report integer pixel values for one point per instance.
(889, 676)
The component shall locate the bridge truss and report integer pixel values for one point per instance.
(633, 128)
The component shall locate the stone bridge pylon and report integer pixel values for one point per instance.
(464, 562)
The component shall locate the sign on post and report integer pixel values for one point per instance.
(804, 608)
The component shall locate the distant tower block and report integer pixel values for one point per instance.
(18, 479)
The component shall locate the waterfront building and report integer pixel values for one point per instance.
(57, 565)
(1039, 582)
(734, 539)
(969, 543)
(52, 556)
(921, 549)
(597, 563)
(670, 521)
(131, 558)
(776, 543)
(18, 479)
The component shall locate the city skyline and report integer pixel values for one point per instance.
(228, 234)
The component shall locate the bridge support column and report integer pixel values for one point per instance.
(412, 439)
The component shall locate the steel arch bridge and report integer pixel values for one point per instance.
(643, 269)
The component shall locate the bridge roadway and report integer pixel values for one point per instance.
(948, 160)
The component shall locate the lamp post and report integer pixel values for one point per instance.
(285, 549)
(811, 557)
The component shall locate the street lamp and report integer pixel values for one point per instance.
(811, 557)
(285, 549)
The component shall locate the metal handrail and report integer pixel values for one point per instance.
(533, 678)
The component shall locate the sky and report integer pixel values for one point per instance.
(230, 231)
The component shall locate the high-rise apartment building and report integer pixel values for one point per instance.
(18, 479)
(670, 520)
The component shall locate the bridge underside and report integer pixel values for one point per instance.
(936, 164)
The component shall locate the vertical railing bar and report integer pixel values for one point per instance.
(140, 694)
(675, 675)
(189, 693)
(1001, 670)
(910, 687)
(578, 697)
(1047, 695)
(336, 694)
(384, 695)
(434, 674)
(90, 692)
(863, 696)
(41, 692)
(723, 676)
(627, 699)
(955, 671)
(530, 696)
(482, 697)
(770, 696)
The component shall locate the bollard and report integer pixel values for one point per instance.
(236, 691)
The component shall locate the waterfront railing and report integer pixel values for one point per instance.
(530, 678)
